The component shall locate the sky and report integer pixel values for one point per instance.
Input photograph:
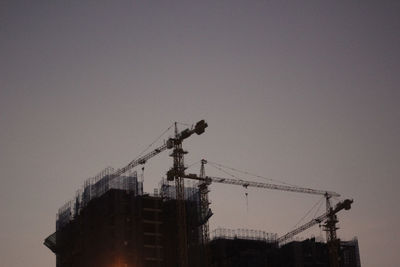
(304, 92)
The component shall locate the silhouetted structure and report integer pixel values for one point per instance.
(111, 222)
(239, 252)
(118, 225)
(350, 253)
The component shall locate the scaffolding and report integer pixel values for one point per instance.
(247, 234)
(168, 190)
(95, 187)
(346, 256)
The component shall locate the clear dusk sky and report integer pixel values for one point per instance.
(305, 92)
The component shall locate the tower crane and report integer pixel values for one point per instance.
(205, 181)
(177, 174)
(205, 213)
(346, 204)
(330, 215)
(329, 227)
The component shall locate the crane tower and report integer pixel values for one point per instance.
(177, 174)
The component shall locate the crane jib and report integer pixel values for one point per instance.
(246, 184)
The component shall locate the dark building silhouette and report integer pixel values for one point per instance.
(111, 222)
(350, 253)
(115, 224)
(256, 252)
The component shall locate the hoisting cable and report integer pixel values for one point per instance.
(319, 207)
(191, 165)
(308, 212)
(247, 201)
(212, 164)
(246, 194)
(142, 175)
(315, 215)
(158, 138)
(251, 174)
(182, 123)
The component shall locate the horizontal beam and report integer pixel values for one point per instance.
(244, 183)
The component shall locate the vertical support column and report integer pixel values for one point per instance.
(331, 238)
(204, 210)
(179, 169)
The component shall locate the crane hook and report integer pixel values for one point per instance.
(247, 201)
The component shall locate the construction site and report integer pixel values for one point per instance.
(111, 221)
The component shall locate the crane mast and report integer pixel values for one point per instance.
(177, 174)
(205, 212)
(179, 168)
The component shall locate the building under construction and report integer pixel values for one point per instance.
(112, 222)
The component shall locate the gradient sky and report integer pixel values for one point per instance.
(305, 92)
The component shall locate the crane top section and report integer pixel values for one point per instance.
(244, 183)
(199, 128)
(343, 205)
